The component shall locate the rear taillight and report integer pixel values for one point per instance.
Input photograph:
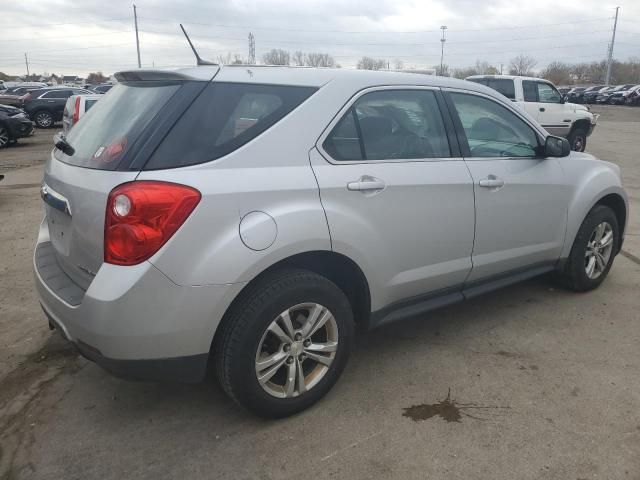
(76, 111)
(141, 216)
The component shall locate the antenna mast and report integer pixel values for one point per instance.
(199, 61)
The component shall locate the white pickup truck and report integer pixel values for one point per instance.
(542, 100)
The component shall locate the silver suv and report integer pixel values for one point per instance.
(249, 218)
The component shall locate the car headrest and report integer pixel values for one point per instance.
(375, 127)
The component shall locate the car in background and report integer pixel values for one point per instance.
(603, 97)
(578, 96)
(633, 99)
(620, 97)
(45, 106)
(102, 88)
(542, 100)
(574, 94)
(564, 90)
(75, 108)
(17, 96)
(590, 96)
(14, 124)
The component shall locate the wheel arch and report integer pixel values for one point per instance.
(338, 268)
(584, 123)
(616, 203)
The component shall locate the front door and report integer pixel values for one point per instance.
(521, 199)
(549, 107)
(398, 202)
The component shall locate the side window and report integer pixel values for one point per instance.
(57, 94)
(530, 91)
(504, 86)
(492, 130)
(390, 124)
(548, 94)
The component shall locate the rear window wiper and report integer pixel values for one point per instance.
(61, 144)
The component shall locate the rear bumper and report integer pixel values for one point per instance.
(20, 128)
(134, 321)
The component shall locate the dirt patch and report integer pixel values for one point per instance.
(448, 409)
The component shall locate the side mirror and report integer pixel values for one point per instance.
(556, 147)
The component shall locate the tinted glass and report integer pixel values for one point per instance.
(88, 104)
(529, 91)
(504, 86)
(343, 143)
(401, 124)
(114, 123)
(492, 130)
(223, 118)
(548, 94)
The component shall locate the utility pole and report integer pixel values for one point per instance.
(135, 19)
(252, 50)
(26, 61)
(442, 40)
(613, 40)
(501, 69)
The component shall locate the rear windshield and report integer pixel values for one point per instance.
(223, 118)
(106, 132)
(503, 85)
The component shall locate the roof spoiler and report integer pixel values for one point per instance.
(150, 75)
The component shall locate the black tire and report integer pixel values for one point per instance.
(574, 275)
(244, 326)
(578, 139)
(43, 119)
(5, 138)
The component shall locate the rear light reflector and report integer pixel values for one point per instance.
(141, 216)
(76, 111)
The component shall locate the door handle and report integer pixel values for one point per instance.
(542, 109)
(491, 182)
(366, 183)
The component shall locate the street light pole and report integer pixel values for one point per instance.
(442, 40)
(613, 40)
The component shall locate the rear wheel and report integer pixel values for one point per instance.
(43, 119)
(4, 136)
(593, 250)
(578, 139)
(285, 343)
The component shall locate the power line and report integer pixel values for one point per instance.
(24, 25)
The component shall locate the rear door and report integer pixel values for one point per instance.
(397, 195)
(521, 199)
(54, 100)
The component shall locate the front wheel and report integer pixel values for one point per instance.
(578, 139)
(593, 250)
(285, 343)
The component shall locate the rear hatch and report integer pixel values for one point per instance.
(108, 142)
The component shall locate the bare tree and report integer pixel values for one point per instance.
(398, 64)
(522, 65)
(442, 72)
(299, 58)
(231, 59)
(96, 77)
(276, 57)
(315, 59)
(558, 73)
(368, 63)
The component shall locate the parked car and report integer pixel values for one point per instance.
(589, 96)
(14, 124)
(17, 96)
(102, 88)
(578, 97)
(250, 219)
(540, 99)
(619, 98)
(564, 90)
(633, 99)
(45, 106)
(605, 96)
(574, 94)
(75, 108)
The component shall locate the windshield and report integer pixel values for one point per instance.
(107, 131)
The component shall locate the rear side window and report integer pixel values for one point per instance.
(530, 91)
(388, 125)
(88, 104)
(504, 86)
(222, 119)
(105, 134)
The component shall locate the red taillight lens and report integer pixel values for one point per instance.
(141, 216)
(76, 111)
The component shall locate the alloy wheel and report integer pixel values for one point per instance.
(599, 248)
(578, 144)
(44, 120)
(296, 350)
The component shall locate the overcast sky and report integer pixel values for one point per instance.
(71, 37)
